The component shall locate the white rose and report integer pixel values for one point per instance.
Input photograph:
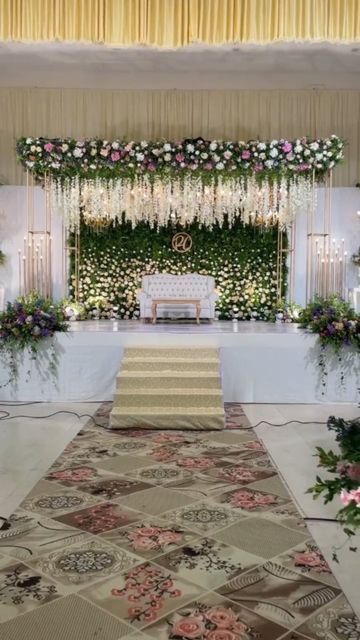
(33, 148)
(93, 152)
(204, 155)
(29, 140)
(307, 152)
(262, 146)
(190, 148)
(115, 145)
(298, 148)
(262, 156)
(273, 143)
(167, 147)
(269, 163)
(274, 153)
(167, 157)
(143, 144)
(78, 153)
(213, 145)
(64, 147)
(319, 156)
(139, 157)
(227, 155)
(314, 146)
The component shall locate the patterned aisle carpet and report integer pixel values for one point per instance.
(176, 535)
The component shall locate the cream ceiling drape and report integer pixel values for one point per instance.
(237, 115)
(178, 23)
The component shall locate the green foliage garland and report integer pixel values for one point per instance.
(242, 260)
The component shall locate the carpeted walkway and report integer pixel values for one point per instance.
(173, 535)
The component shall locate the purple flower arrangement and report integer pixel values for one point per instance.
(24, 324)
(335, 322)
(103, 158)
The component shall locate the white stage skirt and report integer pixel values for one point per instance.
(261, 362)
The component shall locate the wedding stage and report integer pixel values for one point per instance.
(260, 362)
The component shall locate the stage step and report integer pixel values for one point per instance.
(174, 354)
(173, 398)
(191, 418)
(166, 364)
(155, 380)
(168, 389)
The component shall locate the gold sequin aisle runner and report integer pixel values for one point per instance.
(169, 389)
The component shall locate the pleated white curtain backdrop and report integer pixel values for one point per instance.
(238, 115)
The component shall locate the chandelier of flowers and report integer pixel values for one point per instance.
(191, 180)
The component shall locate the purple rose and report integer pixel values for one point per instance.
(246, 154)
(115, 156)
(287, 147)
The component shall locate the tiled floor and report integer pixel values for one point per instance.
(166, 535)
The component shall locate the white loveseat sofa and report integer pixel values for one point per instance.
(188, 286)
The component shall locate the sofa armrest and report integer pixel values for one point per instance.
(213, 296)
(141, 296)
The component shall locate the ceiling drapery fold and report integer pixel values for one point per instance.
(179, 23)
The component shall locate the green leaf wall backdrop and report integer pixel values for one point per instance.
(242, 259)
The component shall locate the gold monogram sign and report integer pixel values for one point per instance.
(182, 242)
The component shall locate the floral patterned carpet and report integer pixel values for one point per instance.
(166, 535)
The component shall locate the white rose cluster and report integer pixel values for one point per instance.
(245, 278)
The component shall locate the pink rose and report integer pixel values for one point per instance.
(180, 157)
(48, 147)
(308, 559)
(208, 166)
(353, 471)
(346, 497)
(221, 617)
(311, 560)
(167, 437)
(104, 152)
(144, 544)
(189, 627)
(147, 531)
(115, 156)
(256, 445)
(221, 634)
(287, 147)
(246, 154)
(195, 463)
(259, 167)
(238, 474)
(169, 537)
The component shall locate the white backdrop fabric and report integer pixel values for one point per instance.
(259, 364)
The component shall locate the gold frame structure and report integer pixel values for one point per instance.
(290, 252)
(325, 257)
(68, 249)
(35, 258)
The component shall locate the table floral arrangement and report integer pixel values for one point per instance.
(337, 326)
(24, 325)
(344, 468)
(285, 311)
